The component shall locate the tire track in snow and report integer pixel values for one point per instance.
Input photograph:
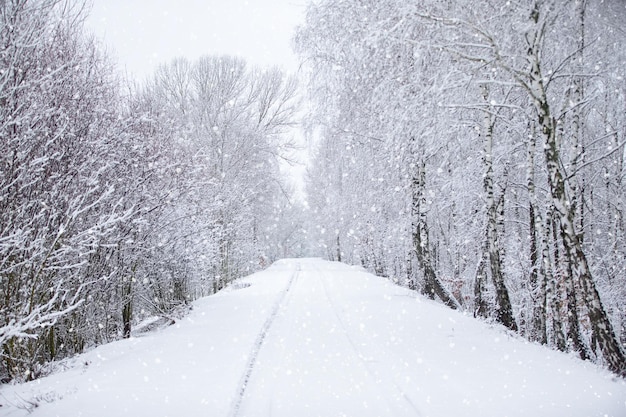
(258, 344)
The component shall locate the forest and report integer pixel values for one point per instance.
(472, 154)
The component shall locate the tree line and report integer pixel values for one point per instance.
(474, 151)
(123, 202)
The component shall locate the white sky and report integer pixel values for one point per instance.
(141, 34)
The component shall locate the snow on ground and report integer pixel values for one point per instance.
(316, 338)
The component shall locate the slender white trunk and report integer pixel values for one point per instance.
(432, 286)
(504, 310)
(538, 268)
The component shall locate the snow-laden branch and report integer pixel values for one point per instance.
(41, 316)
(596, 160)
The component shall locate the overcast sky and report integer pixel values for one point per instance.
(143, 33)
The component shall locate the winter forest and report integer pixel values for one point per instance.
(470, 151)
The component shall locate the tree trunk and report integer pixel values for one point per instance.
(577, 147)
(504, 310)
(575, 256)
(127, 309)
(537, 279)
(432, 286)
(481, 306)
(573, 322)
(578, 266)
(537, 284)
(410, 279)
(338, 249)
(127, 301)
(552, 285)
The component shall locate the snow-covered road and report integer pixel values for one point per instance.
(315, 338)
(318, 357)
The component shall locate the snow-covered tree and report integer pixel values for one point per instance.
(230, 122)
(488, 129)
(58, 125)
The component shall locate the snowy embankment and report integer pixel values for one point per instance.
(315, 338)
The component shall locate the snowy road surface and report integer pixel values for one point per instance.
(315, 338)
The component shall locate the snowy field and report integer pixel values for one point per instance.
(315, 338)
